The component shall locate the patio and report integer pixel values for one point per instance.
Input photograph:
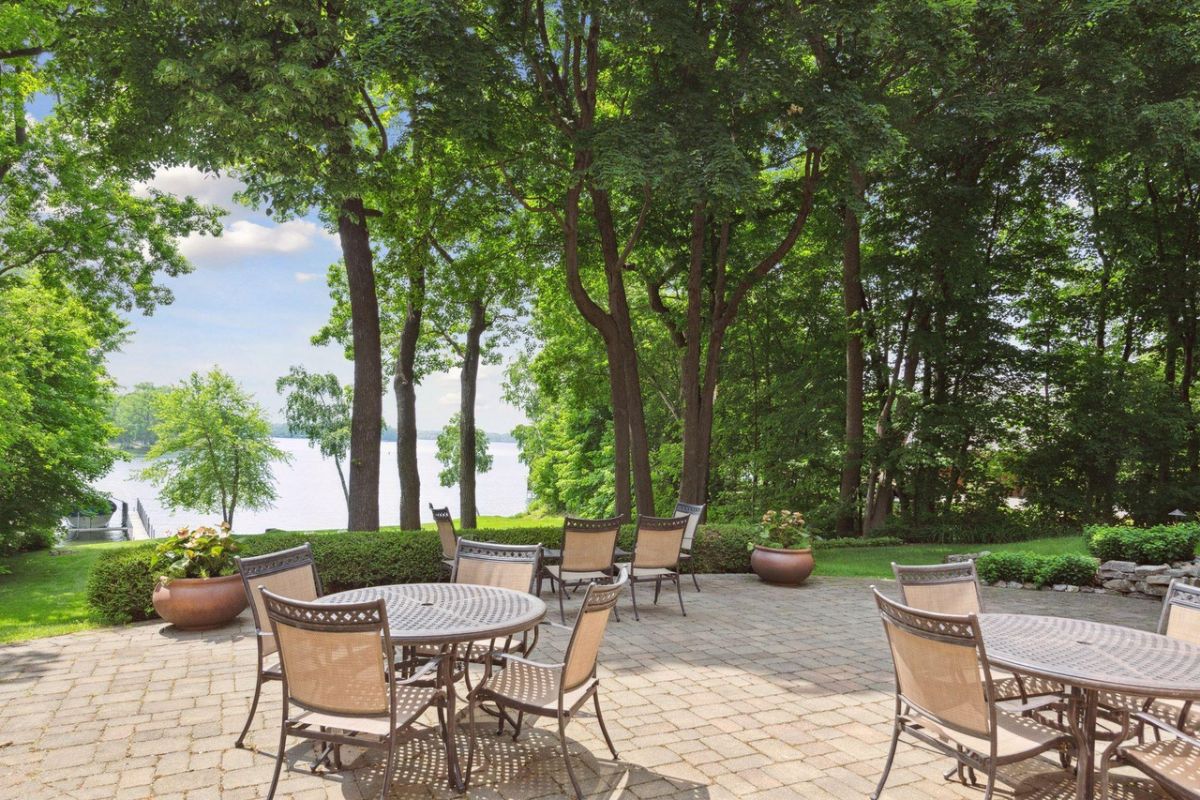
(759, 692)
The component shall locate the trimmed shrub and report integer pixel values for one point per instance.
(120, 584)
(1040, 570)
(852, 541)
(1160, 544)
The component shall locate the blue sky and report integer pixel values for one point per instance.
(254, 300)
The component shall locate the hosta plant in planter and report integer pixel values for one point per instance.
(781, 552)
(198, 586)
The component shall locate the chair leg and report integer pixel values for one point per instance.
(517, 726)
(633, 594)
(471, 741)
(278, 758)
(679, 591)
(241, 740)
(603, 729)
(657, 589)
(991, 782)
(692, 563)
(562, 613)
(389, 767)
(562, 738)
(887, 765)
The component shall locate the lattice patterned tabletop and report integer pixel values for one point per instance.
(448, 613)
(1093, 655)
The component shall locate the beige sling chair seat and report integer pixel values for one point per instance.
(290, 573)
(656, 554)
(945, 696)
(589, 549)
(954, 589)
(554, 690)
(1179, 619)
(446, 534)
(339, 684)
(1174, 763)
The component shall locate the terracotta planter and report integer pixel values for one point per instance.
(197, 604)
(782, 567)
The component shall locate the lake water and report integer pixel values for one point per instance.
(310, 496)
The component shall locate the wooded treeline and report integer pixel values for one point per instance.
(885, 262)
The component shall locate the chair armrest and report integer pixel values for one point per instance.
(530, 662)
(557, 625)
(1166, 727)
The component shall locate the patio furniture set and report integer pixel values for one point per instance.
(994, 689)
(362, 667)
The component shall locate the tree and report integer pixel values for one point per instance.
(54, 402)
(135, 414)
(214, 450)
(449, 453)
(319, 408)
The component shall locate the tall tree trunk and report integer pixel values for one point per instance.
(368, 367)
(852, 297)
(466, 428)
(405, 386)
(623, 491)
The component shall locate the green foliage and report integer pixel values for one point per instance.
(134, 415)
(449, 447)
(1161, 544)
(319, 408)
(120, 585)
(214, 450)
(54, 401)
(1036, 568)
(200, 552)
(976, 526)
(843, 543)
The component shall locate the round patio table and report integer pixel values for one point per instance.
(1090, 658)
(449, 615)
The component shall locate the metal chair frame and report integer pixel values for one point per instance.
(694, 512)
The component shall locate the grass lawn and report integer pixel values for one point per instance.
(876, 562)
(44, 593)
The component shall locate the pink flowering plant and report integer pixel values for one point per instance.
(782, 530)
(200, 552)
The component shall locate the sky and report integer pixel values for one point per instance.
(251, 305)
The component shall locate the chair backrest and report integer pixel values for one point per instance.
(589, 545)
(445, 529)
(334, 656)
(940, 588)
(579, 661)
(693, 512)
(1180, 617)
(941, 668)
(509, 566)
(288, 573)
(659, 541)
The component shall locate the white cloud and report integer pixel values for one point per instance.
(306, 277)
(206, 187)
(243, 238)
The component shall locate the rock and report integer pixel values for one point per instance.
(1155, 590)
(1160, 580)
(1118, 585)
(1060, 587)
(1071, 588)
(961, 557)
(1150, 569)
(1118, 566)
(1027, 585)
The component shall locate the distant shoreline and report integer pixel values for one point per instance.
(280, 430)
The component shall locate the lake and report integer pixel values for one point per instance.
(310, 496)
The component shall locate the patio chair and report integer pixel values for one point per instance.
(588, 555)
(336, 660)
(508, 566)
(693, 513)
(292, 573)
(656, 556)
(945, 697)
(560, 690)
(954, 589)
(1174, 763)
(1179, 619)
(445, 528)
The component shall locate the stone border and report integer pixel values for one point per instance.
(1127, 578)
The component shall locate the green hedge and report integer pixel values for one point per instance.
(120, 584)
(854, 541)
(1160, 544)
(975, 527)
(1038, 569)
